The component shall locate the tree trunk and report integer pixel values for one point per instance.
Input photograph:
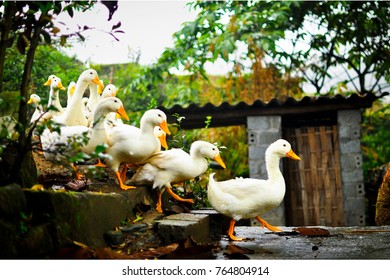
(24, 170)
(382, 216)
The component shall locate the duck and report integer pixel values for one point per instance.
(110, 90)
(73, 114)
(132, 145)
(54, 106)
(57, 145)
(247, 198)
(161, 136)
(38, 111)
(175, 166)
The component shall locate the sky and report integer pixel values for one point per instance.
(148, 27)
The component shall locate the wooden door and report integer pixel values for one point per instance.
(313, 185)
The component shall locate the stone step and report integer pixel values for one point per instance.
(181, 226)
(37, 223)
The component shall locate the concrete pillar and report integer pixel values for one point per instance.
(349, 125)
(263, 131)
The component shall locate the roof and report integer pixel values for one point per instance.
(227, 115)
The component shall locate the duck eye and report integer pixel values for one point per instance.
(284, 145)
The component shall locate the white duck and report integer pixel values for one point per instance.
(175, 166)
(131, 145)
(57, 145)
(54, 105)
(74, 114)
(110, 90)
(245, 198)
(38, 111)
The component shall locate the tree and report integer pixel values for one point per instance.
(305, 39)
(27, 24)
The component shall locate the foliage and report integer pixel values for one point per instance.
(375, 135)
(48, 61)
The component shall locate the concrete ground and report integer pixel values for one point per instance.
(341, 243)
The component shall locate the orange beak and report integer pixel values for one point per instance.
(292, 155)
(98, 82)
(164, 126)
(163, 140)
(218, 159)
(121, 111)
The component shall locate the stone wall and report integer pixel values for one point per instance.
(349, 124)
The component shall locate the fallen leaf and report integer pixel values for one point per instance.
(234, 249)
(312, 232)
(38, 187)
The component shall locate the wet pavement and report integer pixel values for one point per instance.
(340, 243)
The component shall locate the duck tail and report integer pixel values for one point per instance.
(212, 189)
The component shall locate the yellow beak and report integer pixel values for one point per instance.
(48, 83)
(219, 160)
(60, 86)
(30, 101)
(100, 89)
(292, 155)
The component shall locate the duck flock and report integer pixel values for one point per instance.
(98, 119)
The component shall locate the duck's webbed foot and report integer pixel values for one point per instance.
(231, 231)
(178, 198)
(267, 225)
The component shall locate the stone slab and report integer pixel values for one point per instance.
(178, 227)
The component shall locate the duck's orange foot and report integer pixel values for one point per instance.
(124, 187)
(178, 198)
(100, 164)
(267, 225)
(235, 238)
(121, 184)
(231, 232)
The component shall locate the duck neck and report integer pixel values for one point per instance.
(93, 96)
(146, 127)
(272, 166)
(199, 160)
(81, 86)
(54, 99)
